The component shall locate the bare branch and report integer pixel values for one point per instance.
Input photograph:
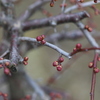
(60, 19)
(87, 35)
(46, 44)
(90, 3)
(37, 88)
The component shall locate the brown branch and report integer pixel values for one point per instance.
(93, 77)
(83, 50)
(60, 19)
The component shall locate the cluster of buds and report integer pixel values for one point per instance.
(41, 39)
(27, 97)
(88, 28)
(55, 96)
(4, 95)
(25, 60)
(52, 3)
(96, 69)
(77, 48)
(57, 63)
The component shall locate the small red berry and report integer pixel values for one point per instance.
(6, 71)
(39, 38)
(55, 63)
(43, 42)
(26, 58)
(78, 46)
(61, 59)
(96, 70)
(90, 65)
(59, 67)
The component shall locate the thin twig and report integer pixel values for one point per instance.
(46, 44)
(93, 83)
(82, 5)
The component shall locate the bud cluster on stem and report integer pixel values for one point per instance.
(57, 63)
(91, 65)
(77, 47)
(41, 39)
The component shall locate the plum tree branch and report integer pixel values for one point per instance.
(89, 37)
(33, 40)
(59, 19)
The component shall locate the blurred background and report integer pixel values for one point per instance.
(76, 80)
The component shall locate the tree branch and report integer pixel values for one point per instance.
(46, 44)
(87, 35)
(60, 19)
